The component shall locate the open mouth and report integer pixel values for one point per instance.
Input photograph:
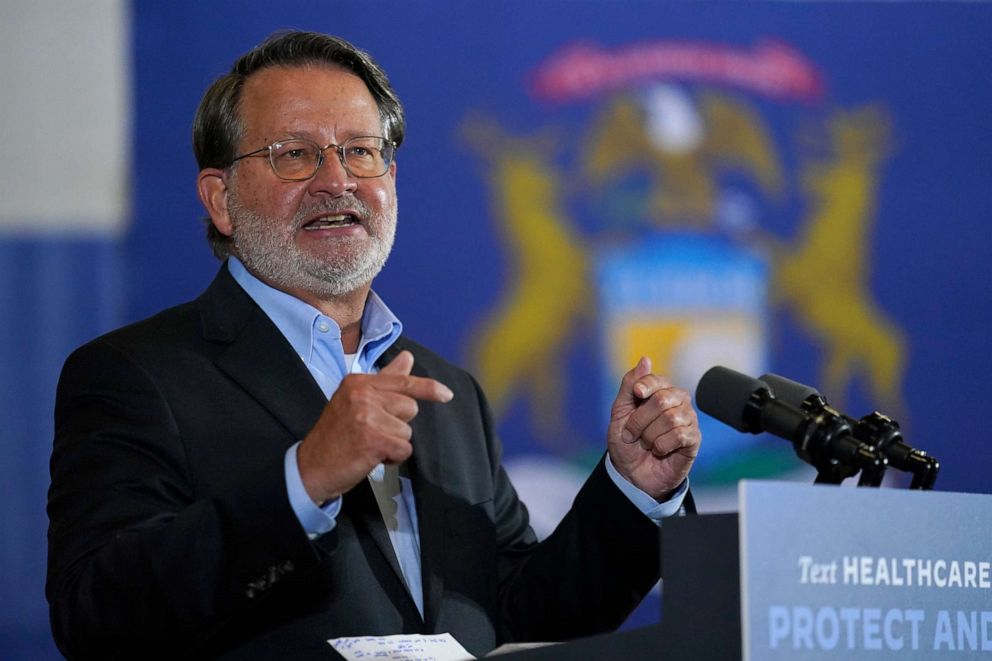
(331, 221)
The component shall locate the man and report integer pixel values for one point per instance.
(274, 464)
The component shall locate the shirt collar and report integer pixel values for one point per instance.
(296, 319)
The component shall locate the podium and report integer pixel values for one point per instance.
(818, 572)
(701, 594)
(699, 559)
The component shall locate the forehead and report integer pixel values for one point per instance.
(307, 99)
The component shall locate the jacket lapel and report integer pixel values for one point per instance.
(261, 361)
(364, 511)
(257, 356)
(425, 469)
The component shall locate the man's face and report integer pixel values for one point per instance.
(329, 235)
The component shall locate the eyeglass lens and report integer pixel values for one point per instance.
(299, 159)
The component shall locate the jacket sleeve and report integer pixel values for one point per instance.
(587, 576)
(140, 563)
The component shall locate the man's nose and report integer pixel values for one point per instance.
(331, 177)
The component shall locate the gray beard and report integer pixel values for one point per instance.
(267, 248)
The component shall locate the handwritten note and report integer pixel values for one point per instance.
(404, 647)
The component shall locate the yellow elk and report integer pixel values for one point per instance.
(519, 349)
(824, 277)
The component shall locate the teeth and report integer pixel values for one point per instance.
(337, 220)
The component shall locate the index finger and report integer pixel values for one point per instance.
(649, 384)
(418, 387)
(666, 409)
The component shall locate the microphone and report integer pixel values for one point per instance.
(822, 438)
(809, 399)
(745, 403)
(875, 429)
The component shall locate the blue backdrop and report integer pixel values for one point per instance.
(793, 187)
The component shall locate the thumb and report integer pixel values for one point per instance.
(401, 364)
(629, 393)
(641, 369)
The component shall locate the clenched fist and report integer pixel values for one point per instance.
(653, 436)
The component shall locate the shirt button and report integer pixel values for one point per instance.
(323, 327)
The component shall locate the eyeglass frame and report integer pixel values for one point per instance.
(338, 149)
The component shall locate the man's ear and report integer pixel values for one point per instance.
(212, 188)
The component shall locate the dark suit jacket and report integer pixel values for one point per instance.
(171, 532)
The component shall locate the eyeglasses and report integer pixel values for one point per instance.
(363, 157)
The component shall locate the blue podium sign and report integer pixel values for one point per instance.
(843, 573)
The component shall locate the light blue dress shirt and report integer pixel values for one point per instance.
(316, 338)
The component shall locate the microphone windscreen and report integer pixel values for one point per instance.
(724, 394)
(787, 390)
